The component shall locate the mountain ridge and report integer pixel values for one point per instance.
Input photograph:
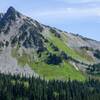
(45, 50)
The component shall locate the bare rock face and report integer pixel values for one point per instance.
(17, 29)
(8, 64)
(76, 41)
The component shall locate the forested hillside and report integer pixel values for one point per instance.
(17, 88)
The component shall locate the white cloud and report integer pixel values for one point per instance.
(68, 12)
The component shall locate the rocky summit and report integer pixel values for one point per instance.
(28, 48)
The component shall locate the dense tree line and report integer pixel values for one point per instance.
(21, 88)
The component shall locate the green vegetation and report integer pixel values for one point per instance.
(71, 52)
(59, 72)
(23, 59)
(22, 88)
(94, 69)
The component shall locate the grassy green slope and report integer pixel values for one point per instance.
(74, 54)
(61, 43)
(60, 72)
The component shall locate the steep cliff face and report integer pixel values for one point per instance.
(30, 48)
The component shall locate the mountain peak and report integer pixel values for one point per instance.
(11, 9)
(11, 14)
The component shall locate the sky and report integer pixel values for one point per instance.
(76, 16)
